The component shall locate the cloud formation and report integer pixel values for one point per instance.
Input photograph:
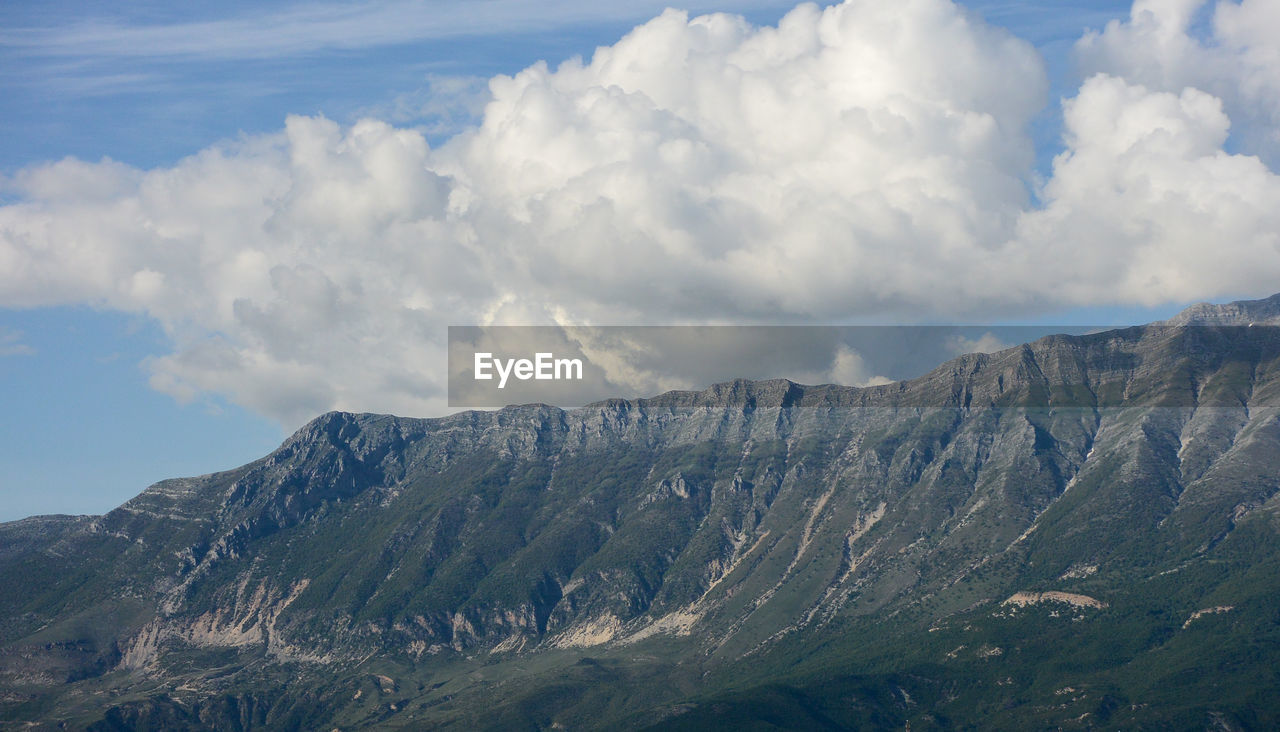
(11, 343)
(303, 28)
(1236, 58)
(868, 159)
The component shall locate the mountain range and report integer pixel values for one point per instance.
(1078, 532)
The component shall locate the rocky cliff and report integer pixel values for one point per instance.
(1016, 536)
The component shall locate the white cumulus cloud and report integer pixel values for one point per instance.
(867, 158)
(1235, 58)
(1145, 205)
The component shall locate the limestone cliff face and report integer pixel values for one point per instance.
(1244, 313)
(733, 520)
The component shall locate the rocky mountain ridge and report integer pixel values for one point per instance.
(1241, 312)
(691, 544)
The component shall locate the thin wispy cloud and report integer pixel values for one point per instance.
(441, 108)
(11, 343)
(310, 28)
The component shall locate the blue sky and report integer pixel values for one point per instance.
(147, 106)
(109, 381)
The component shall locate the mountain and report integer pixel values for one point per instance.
(1241, 313)
(1079, 532)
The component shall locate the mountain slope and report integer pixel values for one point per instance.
(1078, 531)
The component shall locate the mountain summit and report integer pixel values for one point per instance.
(1081, 531)
(1242, 312)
